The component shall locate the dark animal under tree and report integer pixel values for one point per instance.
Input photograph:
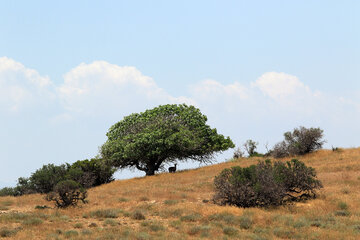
(172, 169)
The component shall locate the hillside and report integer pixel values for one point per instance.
(177, 206)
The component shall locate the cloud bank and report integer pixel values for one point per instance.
(22, 87)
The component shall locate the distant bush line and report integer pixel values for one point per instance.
(87, 173)
(300, 141)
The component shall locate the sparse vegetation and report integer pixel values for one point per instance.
(105, 213)
(334, 214)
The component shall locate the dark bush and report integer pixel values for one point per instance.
(247, 187)
(24, 186)
(265, 184)
(280, 150)
(7, 191)
(45, 178)
(298, 180)
(67, 193)
(91, 173)
(299, 142)
(88, 173)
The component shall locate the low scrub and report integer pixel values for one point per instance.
(266, 184)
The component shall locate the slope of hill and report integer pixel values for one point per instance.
(177, 206)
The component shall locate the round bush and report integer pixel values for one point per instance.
(265, 184)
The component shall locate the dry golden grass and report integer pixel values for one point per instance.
(175, 206)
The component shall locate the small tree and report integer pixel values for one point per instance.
(299, 142)
(238, 153)
(164, 134)
(67, 193)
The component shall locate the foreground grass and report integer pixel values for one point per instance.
(178, 206)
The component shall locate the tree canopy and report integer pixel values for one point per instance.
(167, 133)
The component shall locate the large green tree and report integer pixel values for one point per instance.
(165, 134)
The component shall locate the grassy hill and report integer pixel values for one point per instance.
(177, 206)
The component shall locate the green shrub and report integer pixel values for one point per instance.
(194, 230)
(7, 191)
(122, 199)
(343, 206)
(67, 193)
(45, 179)
(265, 184)
(230, 231)
(78, 225)
(226, 217)
(171, 202)
(33, 221)
(245, 222)
(190, 217)
(105, 213)
(7, 232)
(91, 173)
(155, 227)
(41, 207)
(342, 213)
(298, 180)
(88, 173)
(71, 234)
(299, 142)
(86, 232)
(110, 222)
(283, 233)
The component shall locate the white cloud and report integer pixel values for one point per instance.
(101, 87)
(280, 85)
(213, 89)
(21, 86)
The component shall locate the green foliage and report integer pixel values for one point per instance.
(265, 184)
(230, 231)
(90, 173)
(299, 142)
(163, 134)
(45, 178)
(343, 206)
(67, 193)
(7, 191)
(7, 232)
(105, 213)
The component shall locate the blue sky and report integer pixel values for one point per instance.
(70, 69)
